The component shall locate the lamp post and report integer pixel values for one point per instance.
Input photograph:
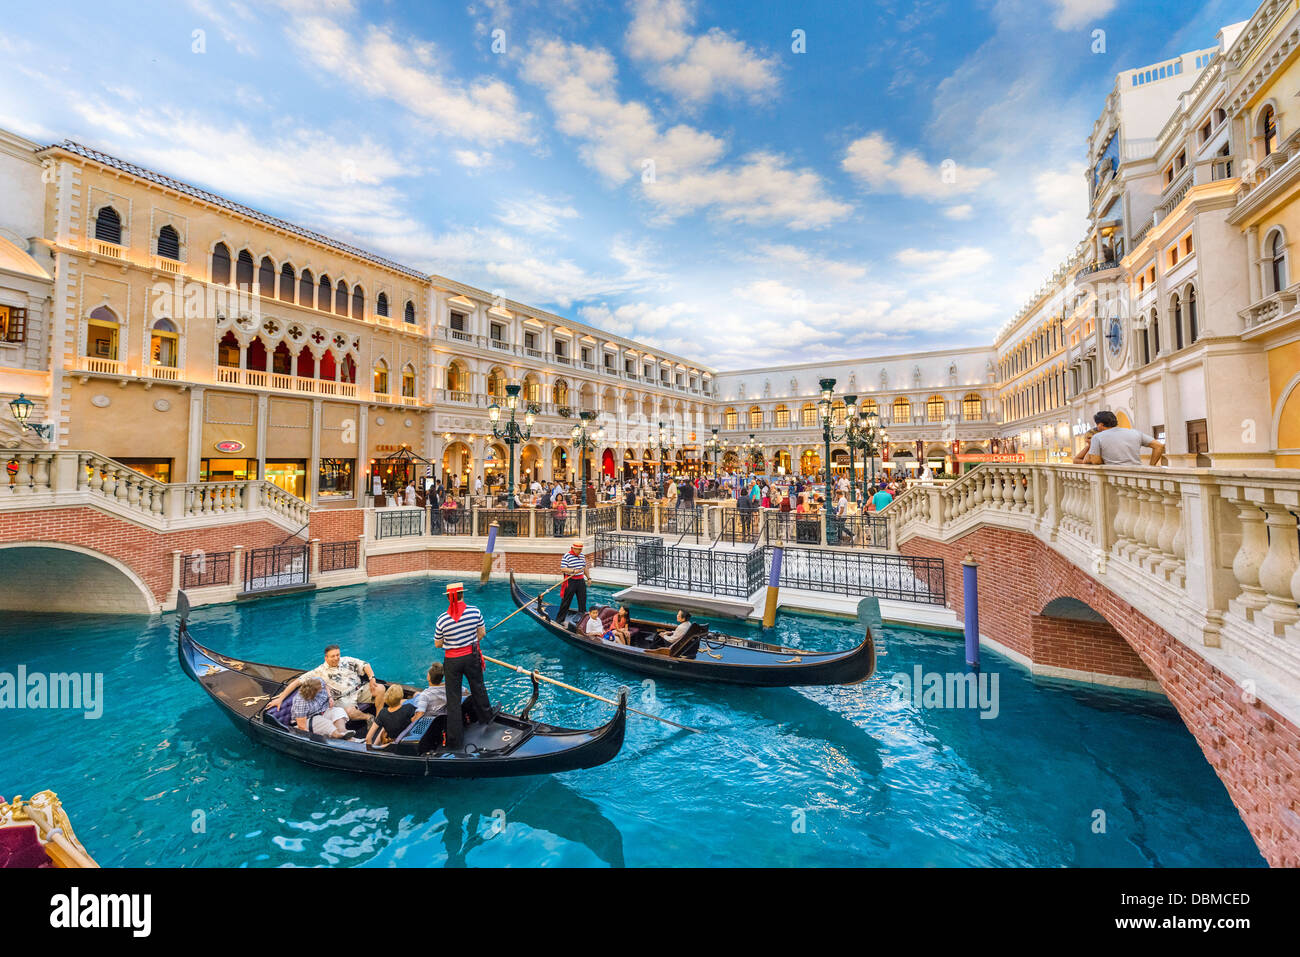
(826, 408)
(584, 443)
(753, 453)
(865, 434)
(665, 444)
(713, 445)
(21, 408)
(511, 433)
(851, 440)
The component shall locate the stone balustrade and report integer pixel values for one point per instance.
(1210, 555)
(44, 479)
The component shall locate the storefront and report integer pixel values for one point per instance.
(336, 478)
(228, 470)
(160, 470)
(290, 475)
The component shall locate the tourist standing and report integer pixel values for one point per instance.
(458, 633)
(573, 566)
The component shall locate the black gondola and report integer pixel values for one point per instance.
(508, 745)
(703, 655)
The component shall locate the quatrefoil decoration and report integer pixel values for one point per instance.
(317, 337)
(356, 344)
(245, 321)
(340, 342)
(295, 333)
(271, 327)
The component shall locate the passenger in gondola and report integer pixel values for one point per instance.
(620, 631)
(392, 719)
(593, 627)
(433, 699)
(314, 710)
(351, 683)
(458, 631)
(683, 626)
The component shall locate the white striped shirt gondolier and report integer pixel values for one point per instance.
(572, 564)
(458, 634)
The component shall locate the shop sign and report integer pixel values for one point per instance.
(1005, 457)
(230, 446)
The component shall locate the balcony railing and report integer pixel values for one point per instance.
(258, 379)
(101, 366)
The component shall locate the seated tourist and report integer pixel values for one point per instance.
(392, 719)
(350, 681)
(620, 631)
(683, 626)
(594, 627)
(432, 699)
(314, 710)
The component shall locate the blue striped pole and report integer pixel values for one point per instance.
(773, 585)
(971, 602)
(487, 554)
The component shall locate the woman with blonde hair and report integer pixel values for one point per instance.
(391, 719)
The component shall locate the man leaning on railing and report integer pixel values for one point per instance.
(1112, 445)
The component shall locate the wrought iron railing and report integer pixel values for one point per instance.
(710, 571)
(398, 523)
(553, 524)
(897, 577)
(794, 529)
(617, 550)
(742, 526)
(602, 518)
(683, 520)
(639, 518)
(204, 569)
(451, 521)
(278, 567)
(339, 556)
(511, 522)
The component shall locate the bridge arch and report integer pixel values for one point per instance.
(54, 577)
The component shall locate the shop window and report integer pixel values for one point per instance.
(227, 470)
(160, 470)
(13, 324)
(336, 477)
(290, 475)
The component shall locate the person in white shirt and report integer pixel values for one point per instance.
(478, 485)
(841, 506)
(410, 493)
(683, 626)
(594, 628)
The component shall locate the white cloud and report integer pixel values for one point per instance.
(962, 261)
(964, 211)
(534, 213)
(809, 262)
(695, 67)
(875, 161)
(1071, 14)
(473, 159)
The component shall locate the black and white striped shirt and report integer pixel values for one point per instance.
(458, 634)
(573, 564)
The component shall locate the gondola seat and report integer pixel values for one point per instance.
(284, 713)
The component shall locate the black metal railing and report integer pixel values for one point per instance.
(511, 522)
(741, 526)
(602, 518)
(856, 531)
(618, 550)
(204, 569)
(451, 521)
(713, 572)
(398, 523)
(339, 556)
(897, 577)
(278, 567)
(793, 529)
(553, 524)
(638, 518)
(682, 520)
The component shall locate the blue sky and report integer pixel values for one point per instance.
(669, 170)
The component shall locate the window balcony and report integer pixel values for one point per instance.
(458, 335)
(173, 267)
(534, 353)
(500, 345)
(562, 360)
(163, 373)
(107, 250)
(99, 366)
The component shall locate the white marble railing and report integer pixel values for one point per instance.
(54, 479)
(1210, 555)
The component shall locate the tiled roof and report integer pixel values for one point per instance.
(208, 197)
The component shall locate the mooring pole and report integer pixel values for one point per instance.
(773, 585)
(971, 602)
(487, 554)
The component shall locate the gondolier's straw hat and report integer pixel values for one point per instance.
(577, 543)
(455, 587)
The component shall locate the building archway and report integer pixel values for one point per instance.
(54, 577)
(458, 460)
(530, 457)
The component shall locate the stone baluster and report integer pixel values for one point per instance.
(1281, 561)
(1016, 478)
(1141, 549)
(1123, 511)
(1173, 520)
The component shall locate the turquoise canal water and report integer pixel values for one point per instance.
(862, 775)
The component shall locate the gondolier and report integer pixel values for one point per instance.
(573, 566)
(458, 632)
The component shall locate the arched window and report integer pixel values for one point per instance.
(1278, 266)
(496, 384)
(1155, 334)
(868, 407)
(408, 382)
(972, 408)
(358, 302)
(838, 411)
(560, 392)
(781, 417)
(324, 294)
(220, 264)
(902, 410)
(287, 282)
(731, 419)
(307, 289)
(108, 226)
(341, 298)
(755, 417)
(381, 304)
(532, 387)
(381, 378)
(934, 409)
(163, 344)
(808, 415)
(1268, 130)
(1176, 314)
(169, 243)
(266, 277)
(1193, 332)
(244, 270)
(409, 314)
(228, 351)
(101, 334)
(457, 378)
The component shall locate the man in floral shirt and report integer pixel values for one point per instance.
(350, 682)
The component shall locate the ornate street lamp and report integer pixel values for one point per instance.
(753, 453)
(866, 433)
(712, 446)
(582, 444)
(825, 408)
(21, 408)
(512, 434)
(665, 444)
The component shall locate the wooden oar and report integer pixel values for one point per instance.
(568, 687)
(522, 607)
